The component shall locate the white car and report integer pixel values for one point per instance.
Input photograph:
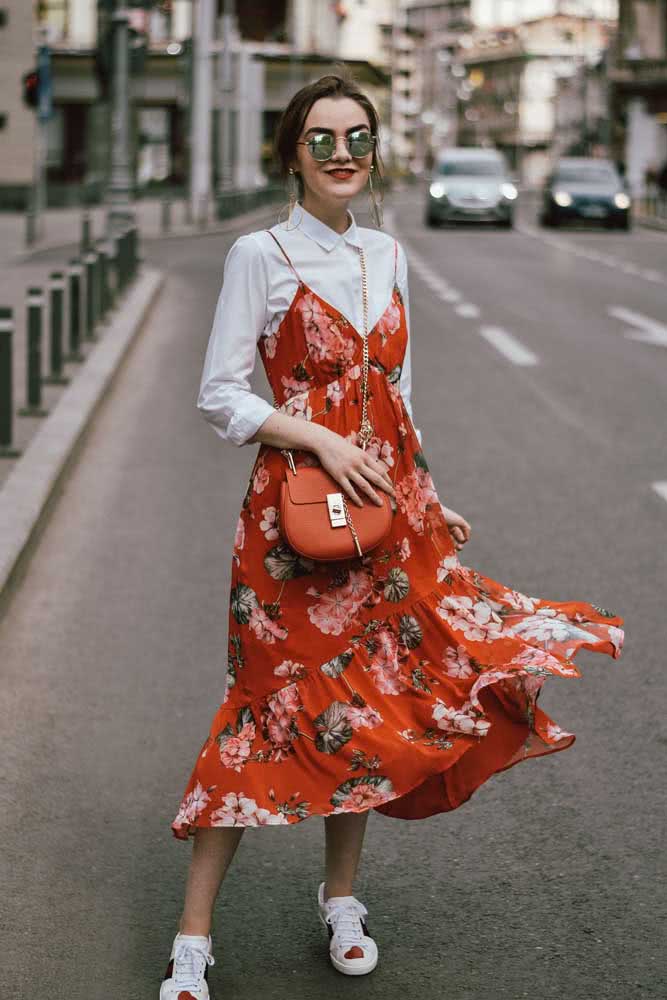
(471, 185)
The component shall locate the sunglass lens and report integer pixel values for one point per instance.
(361, 143)
(321, 146)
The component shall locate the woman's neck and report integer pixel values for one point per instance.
(333, 216)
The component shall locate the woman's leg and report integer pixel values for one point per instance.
(344, 834)
(212, 853)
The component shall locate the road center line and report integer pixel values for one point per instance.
(509, 346)
(661, 490)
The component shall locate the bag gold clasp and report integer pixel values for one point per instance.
(336, 510)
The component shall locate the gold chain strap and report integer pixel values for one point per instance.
(365, 427)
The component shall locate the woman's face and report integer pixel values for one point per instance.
(339, 179)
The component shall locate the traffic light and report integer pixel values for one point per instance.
(31, 88)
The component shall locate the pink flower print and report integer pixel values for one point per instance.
(414, 493)
(476, 619)
(298, 406)
(360, 794)
(239, 537)
(446, 566)
(354, 372)
(365, 716)
(539, 660)
(337, 607)
(264, 627)
(289, 668)
(335, 393)
(518, 601)
(234, 752)
(278, 717)
(457, 662)
(390, 321)
(381, 450)
(293, 385)
(261, 478)
(404, 551)
(239, 810)
(270, 345)
(459, 720)
(193, 805)
(385, 668)
(268, 523)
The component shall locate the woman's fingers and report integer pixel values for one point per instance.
(360, 480)
(379, 476)
(350, 490)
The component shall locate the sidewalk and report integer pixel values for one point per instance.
(61, 227)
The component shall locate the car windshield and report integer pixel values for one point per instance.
(589, 173)
(470, 168)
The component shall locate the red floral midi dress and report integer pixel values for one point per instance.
(398, 681)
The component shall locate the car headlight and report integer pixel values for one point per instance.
(621, 200)
(437, 189)
(562, 198)
(509, 191)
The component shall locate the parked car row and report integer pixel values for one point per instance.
(475, 185)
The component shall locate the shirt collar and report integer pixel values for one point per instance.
(326, 237)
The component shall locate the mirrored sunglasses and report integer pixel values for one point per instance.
(322, 145)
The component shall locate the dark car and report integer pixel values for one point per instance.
(470, 184)
(585, 189)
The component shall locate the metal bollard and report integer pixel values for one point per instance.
(35, 310)
(56, 309)
(30, 226)
(75, 272)
(90, 262)
(86, 240)
(103, 276)
(6, 412)
(166, 215)
(114, 280)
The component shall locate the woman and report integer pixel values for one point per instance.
(399, 680)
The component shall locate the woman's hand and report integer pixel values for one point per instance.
(354, 469)
(459, 529)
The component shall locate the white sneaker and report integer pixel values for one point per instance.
(351, 949)
(186, 977)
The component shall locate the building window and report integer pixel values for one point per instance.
(3, 121)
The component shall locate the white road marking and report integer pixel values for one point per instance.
(661, 490)
(504, 342)
(508, 345)
(647, 330)
(608, 260)
(467, 310)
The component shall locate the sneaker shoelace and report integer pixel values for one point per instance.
(190, 961)
(346, 923)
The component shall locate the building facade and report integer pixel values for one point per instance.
(638, 81)
(519, 80)
(275, 46)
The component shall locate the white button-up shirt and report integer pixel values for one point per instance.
(257, 290)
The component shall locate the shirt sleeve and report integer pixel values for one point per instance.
(405, 381)
(225, 397)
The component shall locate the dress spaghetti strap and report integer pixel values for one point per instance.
(282, 250)
(395, 259)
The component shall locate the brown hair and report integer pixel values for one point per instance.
(292, 120)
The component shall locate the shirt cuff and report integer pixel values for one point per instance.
(243, 425)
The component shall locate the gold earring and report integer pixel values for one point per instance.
(293, 197)
(374, 204)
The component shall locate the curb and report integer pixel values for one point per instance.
(27, 491)
(650, 223)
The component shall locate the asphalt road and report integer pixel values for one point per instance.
(548, 882)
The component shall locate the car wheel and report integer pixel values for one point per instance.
(508, 223)
(626, 224)
(431, 221)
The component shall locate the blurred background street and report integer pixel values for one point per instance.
(539, 357)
